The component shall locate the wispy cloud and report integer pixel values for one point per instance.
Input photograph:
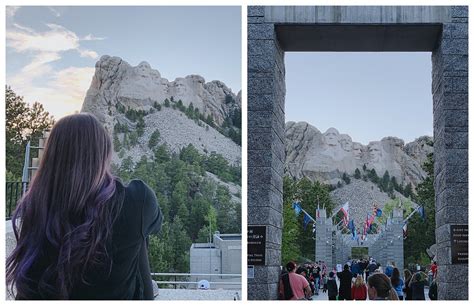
(88, 53)
(11, 11)
(54, 11)
(92, 37)
(62, 95)
(60, 91)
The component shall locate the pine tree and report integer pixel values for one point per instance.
(357, 173)
(346, 178)
(154, 138)
(385, 181)
(421, 233)
(408, 190)
(23, 123)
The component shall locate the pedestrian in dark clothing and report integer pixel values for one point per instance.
(371, 269)
(317, 279)
(345, 278)
(406, 288)
(355, 269)
(417, 287)
(332, 287)
(433, 293)
(362, 266)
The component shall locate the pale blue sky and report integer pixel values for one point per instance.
(366, 95)
(51, 51)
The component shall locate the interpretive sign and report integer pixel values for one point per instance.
(459, 244)
(256, 237)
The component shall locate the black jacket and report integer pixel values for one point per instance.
(433, 293)
(129, 275)
(417, 290)
(345, 278)
(332, 287)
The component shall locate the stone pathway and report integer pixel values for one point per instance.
(194, 294)
(324, 296)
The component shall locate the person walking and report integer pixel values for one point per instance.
(380, 288)
(332, 287)
(297, 283)
(325, 283)
(434, 269)
(397, 283)
(355, 269)
(345, 282)
(433, 292)
(389, 269)
(407, 274)
(417, 287)
(371, 267)
(359, 289)
(317, 279)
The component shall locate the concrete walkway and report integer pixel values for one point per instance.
(324, 296)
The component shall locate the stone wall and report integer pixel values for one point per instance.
(323, 242)
(266, 152)
(388, 245)
(450, 112)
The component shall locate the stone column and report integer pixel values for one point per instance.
(323, 242)
(397, 238)
(450, 112)
(266, 152)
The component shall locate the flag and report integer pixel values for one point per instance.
(297, 208)
(379, 212)
(345, 211)
(306, 220)
(371, 220)
(354, 235)
(314, 228)
(421, 211)
(317, 212)
(351, 226)
(404, 228)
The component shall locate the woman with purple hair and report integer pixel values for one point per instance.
(81, 234)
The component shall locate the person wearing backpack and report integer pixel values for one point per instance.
(294, 286)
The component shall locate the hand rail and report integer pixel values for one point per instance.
(195, 274)
(195, 283)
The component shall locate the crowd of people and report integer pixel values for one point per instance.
(358, 280)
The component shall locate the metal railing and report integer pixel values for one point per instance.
(13, 192)
(186, 283)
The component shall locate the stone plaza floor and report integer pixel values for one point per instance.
(198, 295)
(323, 296)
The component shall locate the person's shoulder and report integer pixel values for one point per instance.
(138, 186)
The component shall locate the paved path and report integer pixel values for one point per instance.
(324, 296)
(194, 294)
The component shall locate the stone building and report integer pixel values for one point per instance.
(222, 256)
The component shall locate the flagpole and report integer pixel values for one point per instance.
(411, 214)
(334, 214)
(312, 219)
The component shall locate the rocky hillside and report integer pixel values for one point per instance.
(327, 156)
(137, 105)
(361, 195)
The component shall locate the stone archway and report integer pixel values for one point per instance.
(440, 30)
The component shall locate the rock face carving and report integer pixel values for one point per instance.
(116, 84)
(116, 81)
(326, 156)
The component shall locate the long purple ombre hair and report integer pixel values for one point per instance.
(66, 216)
